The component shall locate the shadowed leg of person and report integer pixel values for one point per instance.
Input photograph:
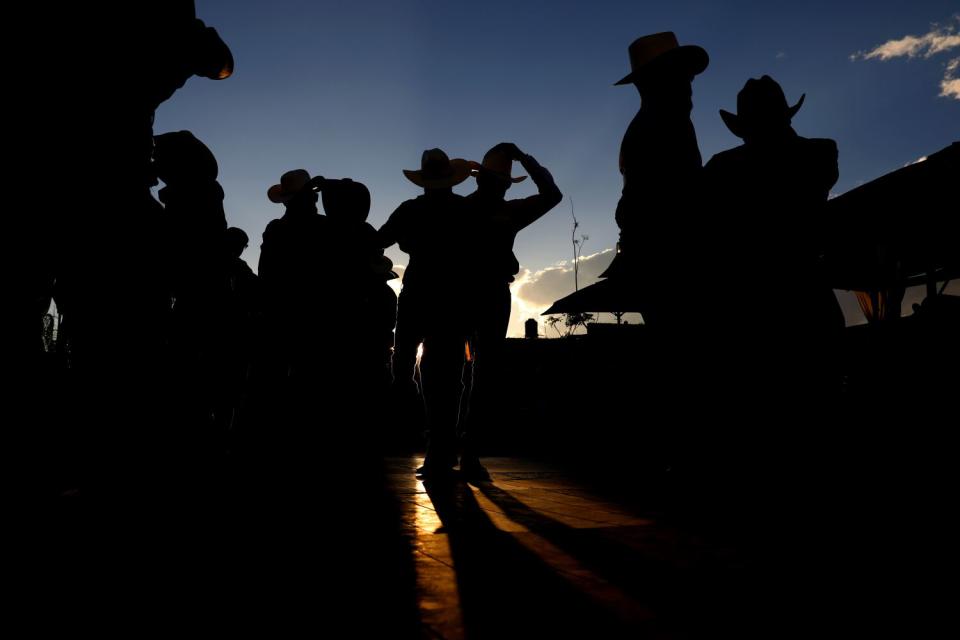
(484, 392)
(441, 372)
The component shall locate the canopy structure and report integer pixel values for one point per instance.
(901, 229)
(613, 295)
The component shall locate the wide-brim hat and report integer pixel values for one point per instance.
(760, 101)
(292, 183)
(498, 163)
(662, 51)
(437, 171)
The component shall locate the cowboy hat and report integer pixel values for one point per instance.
(760, 102)
(291, 184)
(437, 171)
(498, 162)
(662, 51)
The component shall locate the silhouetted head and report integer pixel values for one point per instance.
(438, 172)
(235, 241)
(294, 191)
(344, 199)
(663, 71)
(762, 111)
(494, 173)
(179, 158)
(181, 46)
(210, 55)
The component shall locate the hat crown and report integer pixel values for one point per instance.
(435, 164)
(294, 181)
(438, 171)
(291, 183)
(761, 97)
(662, 52)
(498, 162)
(646, 48)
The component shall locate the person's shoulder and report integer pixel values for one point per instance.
(274, 227)
(729, 156)
(821, 146)
(409, 205)
(241, 267)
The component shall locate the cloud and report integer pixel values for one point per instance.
(937, 40)
(544, 287)
(950, 85)
(535, 291)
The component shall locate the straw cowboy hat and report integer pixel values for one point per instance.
(437, 171)
(662, 51)
(498, 162)
(760, 103)
(291, 184)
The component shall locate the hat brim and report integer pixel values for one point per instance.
(733, 122)
(460, 171)
(739, 126)
(277, 195)
(476, 168)
(689, 59)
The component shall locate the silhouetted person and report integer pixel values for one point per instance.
(297, 376)
(244, 283)
(657, 214)
(240, 325)
(494, 222)
(195, 226)
(196, 222)
(358, 283)
(660, 163)
(113, 70)
(291, 269)
(773, 189)
(433, 306)
(768, 195)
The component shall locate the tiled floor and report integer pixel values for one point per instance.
(532, 553)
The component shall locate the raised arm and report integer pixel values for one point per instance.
(548, 194)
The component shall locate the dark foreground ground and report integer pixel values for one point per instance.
(820, 520)
(539, 551)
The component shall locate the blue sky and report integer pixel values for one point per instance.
(360, 89)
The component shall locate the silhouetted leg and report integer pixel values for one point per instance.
(483, 395)
(407, 398)
(441, 373)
